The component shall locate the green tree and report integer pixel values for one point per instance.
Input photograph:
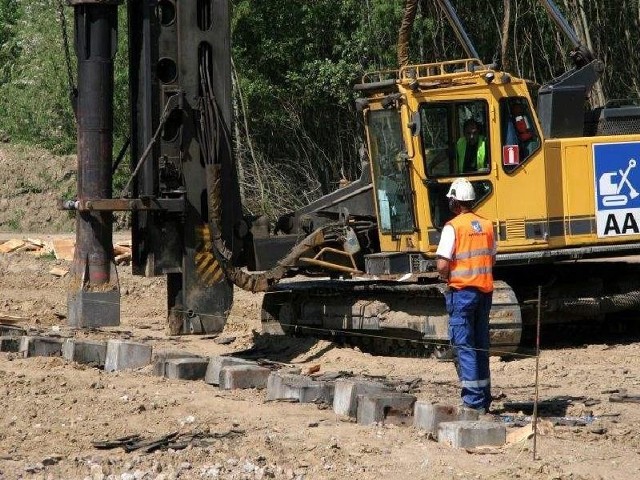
(9, 48)
(297, 62)
(35, 100)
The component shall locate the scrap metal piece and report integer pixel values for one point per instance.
(624, 398)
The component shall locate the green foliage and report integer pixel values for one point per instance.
(15, 222)
(9, 48)
(121, 118)
(47, 257)
(296, 64)
(298, 78)
(35, 102)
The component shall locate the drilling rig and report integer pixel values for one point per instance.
(558, 182)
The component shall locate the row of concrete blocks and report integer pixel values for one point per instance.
(370, 402)
(112, 355)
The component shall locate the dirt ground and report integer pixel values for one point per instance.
(53, 410)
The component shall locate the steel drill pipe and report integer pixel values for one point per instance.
(95, 43)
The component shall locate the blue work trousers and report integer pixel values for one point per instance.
(468, 310)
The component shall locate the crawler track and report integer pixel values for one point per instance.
(385, 318)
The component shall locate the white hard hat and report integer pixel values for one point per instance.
(462, 190)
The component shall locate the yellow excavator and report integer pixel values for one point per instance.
(559, 182)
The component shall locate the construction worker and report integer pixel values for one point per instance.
(465, 259)
(471, 149)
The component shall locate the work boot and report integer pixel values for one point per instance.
(481, 411)
(483, 414)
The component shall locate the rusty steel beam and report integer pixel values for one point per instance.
(94, 296)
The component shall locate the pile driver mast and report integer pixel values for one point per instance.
(180, 94)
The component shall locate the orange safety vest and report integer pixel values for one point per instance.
(472, 262)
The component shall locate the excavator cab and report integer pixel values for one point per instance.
(446, 120)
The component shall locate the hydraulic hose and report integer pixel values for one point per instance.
(253, 282)
(211, 132)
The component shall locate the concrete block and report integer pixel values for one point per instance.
(11, 331)
(160, 358)
(389, 408)
(243, 376)
(212, 377)
(9, 344)
(93, 309)
(122, 355)
(345, 397)
(40, 346)
(186, 368)
(299, 387)
(427, 416)
(471, 434)
(85, 351)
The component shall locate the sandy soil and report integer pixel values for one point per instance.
(53, 410)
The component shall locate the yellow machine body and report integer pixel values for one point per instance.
(542, 194)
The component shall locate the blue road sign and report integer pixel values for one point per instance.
(617, 184)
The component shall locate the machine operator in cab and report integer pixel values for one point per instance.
(465, 259)
(471, 149)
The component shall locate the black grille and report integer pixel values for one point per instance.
(619, 126)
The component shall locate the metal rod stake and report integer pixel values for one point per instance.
(535, 402)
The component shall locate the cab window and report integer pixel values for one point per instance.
(454, 138)
(394, 194)
(520, 138)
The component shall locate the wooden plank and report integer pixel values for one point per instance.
(28, 247)
(121, 250)
(123, 258)
(36, 241)
(11, 245)
(520, 434)
(63, 248)
(624, 398)
(12, 318)
(58, 272)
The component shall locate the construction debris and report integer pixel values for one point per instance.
(520, 434)
(36, 242)
(224, 340)
(58, 272)
(62, 249)
(624, 397)
(11, 245)
(122, 253)
(174, 440)
(4, 318)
